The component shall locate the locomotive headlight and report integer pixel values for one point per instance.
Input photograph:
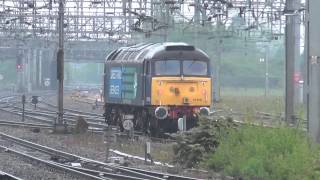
(161, 112)
(204, 111)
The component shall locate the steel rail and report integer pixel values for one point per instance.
(23, 124)
(52, 114)
(98, 129)
(73, 110)
(161, 175)
(105, 174)
(7, 176)
(46, 110)
(50, 119)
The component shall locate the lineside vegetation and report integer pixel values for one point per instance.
(249, 152)
(252, 152)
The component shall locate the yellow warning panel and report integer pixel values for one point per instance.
(181, 91)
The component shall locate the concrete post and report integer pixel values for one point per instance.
(266, 61)
(292, 54)
(313, 58)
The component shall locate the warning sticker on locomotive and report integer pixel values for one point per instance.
(115, 82)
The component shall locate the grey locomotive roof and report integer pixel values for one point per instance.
(138, 53)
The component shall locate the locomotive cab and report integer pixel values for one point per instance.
(180, 85)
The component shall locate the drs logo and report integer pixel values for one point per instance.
(115, 82)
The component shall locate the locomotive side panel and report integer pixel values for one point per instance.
(123, 84)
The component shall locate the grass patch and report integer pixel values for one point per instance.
(253, 99)
(225, 91)
(270, 104)
(266, 153)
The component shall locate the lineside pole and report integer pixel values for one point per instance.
(292, 54)
(217, 62)
(266, 61)
(60, 67)
(313, 64)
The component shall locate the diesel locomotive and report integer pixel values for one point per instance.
(153, 85)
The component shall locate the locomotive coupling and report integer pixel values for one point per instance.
(161, 112)
(204, 111)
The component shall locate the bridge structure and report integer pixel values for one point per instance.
(93, 28)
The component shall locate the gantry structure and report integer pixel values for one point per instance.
(29, 28)
(116, 20)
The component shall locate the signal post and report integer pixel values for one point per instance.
(313, 68)
(60, 124)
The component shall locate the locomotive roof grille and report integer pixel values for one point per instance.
(180, 48)
(139, 53)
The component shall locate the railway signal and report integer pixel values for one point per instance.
(34, 101)
(19, 64)
(297, 77)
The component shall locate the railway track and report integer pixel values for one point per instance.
(45, 115)
(73, 111)
(49, 118)
(98, 118)
(24, 124)
(87, 168)
(6, 176)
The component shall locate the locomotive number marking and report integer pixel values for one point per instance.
(114, 89)
(115, 74)
(197, 100)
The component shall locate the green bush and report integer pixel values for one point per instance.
(266, 153)
(193, 145)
